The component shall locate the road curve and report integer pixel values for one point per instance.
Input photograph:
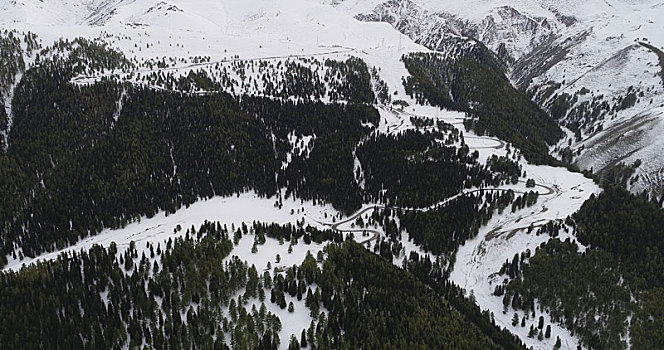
(501, 143)
(457, 121)
(376, 234)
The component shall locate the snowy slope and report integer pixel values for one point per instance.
(202, 26)
(523, 24)
(479, 259)
(503, 28)
(220, 30)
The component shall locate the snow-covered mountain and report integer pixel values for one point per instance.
(565, 53)
(202, 27)
(579, 59)
(153, 29)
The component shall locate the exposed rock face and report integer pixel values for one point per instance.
(507, 32)
(542, 58)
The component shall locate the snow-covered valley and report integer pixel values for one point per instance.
(477, 261)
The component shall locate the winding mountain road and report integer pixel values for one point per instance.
(376, 234)
(396, 127)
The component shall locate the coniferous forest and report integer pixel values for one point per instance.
(84, 157)
(493, 105)
(89, 157)
(367, 301)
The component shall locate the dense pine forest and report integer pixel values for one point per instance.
(397, 310)
(493, 105)
(417, 170)
(4, 124)
(191, 293)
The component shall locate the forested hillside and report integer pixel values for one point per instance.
(189, 293)
(84, 157)
(272, 175)
(87, 157)
(493, 105)
(379, 306)
(417, 170)
(613, 286)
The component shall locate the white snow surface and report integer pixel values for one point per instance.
(479, 260)
(292, 323)
(257, 28)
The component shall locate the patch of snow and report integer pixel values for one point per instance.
(227, 210)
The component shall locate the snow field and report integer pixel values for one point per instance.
(295, 322)
(479, 259)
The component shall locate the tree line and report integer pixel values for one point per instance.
(86, 157)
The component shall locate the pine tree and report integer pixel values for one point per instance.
(303, 339)
(282, 300)
(558, 344)
(294, 344)
(547, 334)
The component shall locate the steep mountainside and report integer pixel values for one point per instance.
(595, 65)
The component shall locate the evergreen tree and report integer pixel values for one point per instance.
(515, 319)
(558, 344)
(303, 339)
(294, 344)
